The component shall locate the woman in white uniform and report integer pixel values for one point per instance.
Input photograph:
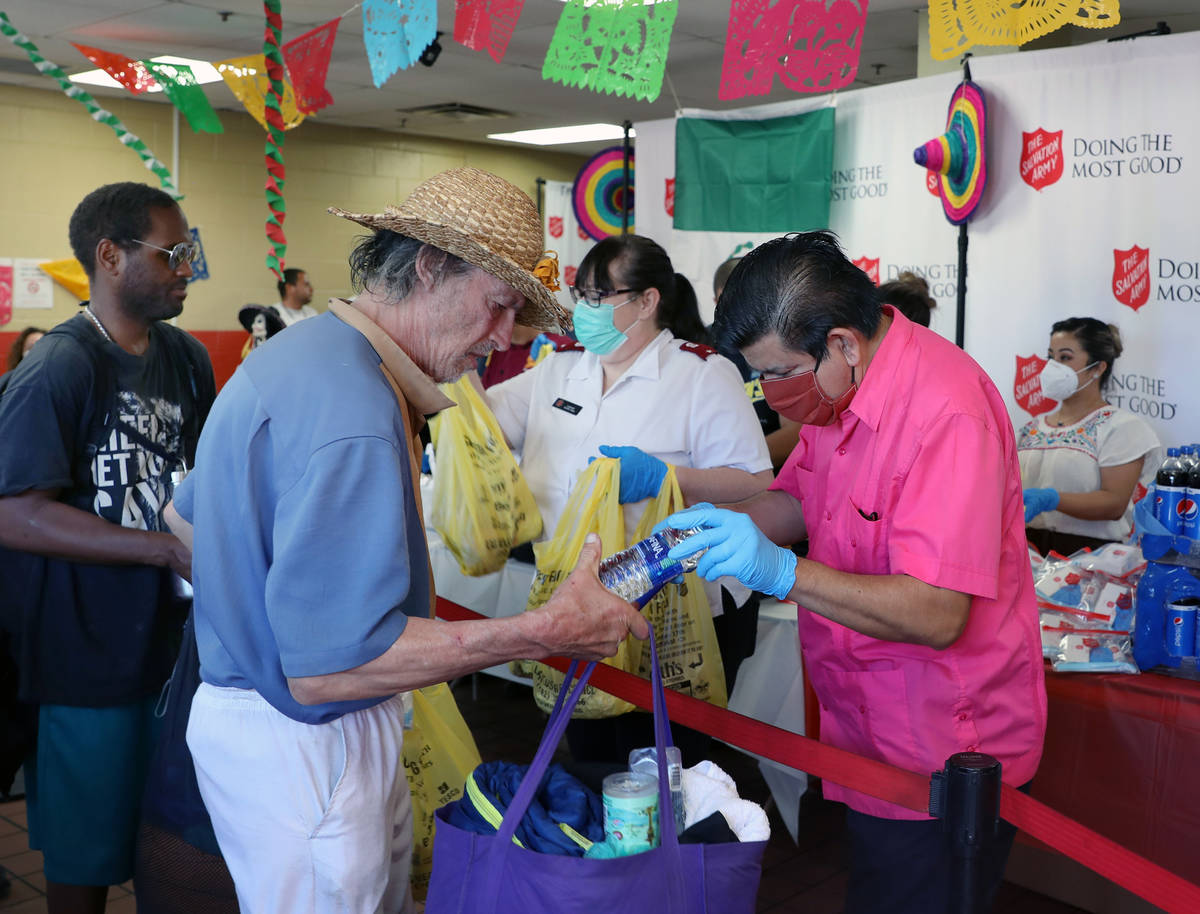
(1084, 464)
(629, 389)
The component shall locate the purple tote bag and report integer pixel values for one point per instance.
(489, 874)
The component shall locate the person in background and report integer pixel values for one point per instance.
(630, 389)
(781, 433)
(1084, 464)
(917, 617)
(94, 426)
(22, 344)
(684, 321)
(313, 590)
(528, 346)
(295, 293)
(909, 294)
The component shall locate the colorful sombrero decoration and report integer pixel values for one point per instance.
(959, 156)
(600, 195)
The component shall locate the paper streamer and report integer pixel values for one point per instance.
(486, 25)
(179, 82)
(98, 114)
(395, 32)
(276, 173)
(956, 26)
(69, 274)
(307, 60)
(132, 74)
(246, 78)
(612, 47)
(810, 48)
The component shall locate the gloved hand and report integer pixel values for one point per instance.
(736, 547)
(1039, 500)
(641, 474)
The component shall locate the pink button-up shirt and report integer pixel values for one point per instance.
(920, 477)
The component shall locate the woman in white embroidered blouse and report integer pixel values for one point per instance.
(1084, 464)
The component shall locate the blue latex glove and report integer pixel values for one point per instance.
(1039, 500)
(736, 548)
(641, 475)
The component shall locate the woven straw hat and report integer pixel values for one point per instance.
(487, 222)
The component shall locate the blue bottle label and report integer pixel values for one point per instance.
(660, 569)
(1166, 507)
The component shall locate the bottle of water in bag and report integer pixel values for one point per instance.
(636, 574)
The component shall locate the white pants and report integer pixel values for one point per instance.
(311, 818)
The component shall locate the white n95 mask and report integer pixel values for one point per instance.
(1060, 381)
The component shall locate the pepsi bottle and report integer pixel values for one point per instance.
(1171, 483)
(1189, 507)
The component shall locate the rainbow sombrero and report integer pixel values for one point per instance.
(959, 156)
(600, 196)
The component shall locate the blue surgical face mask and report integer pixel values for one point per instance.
(594, 327)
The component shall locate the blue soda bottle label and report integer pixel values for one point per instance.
(1188, 511)
(1166, 507)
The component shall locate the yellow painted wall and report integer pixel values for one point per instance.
(52, 154)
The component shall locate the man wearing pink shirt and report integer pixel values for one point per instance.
(917, 614)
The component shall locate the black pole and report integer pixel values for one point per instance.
(961, 303)
(965, 795)
(960, 330)
(627, 126)
(541, 195)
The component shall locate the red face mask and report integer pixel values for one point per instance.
(801, 399)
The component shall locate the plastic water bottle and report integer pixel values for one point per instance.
(636, 574)
(1171, 483)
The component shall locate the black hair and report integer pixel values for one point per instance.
(17, 352)
(290, 277)
(385, 263)
(684, 319)
(1101, 341)
(721, 275)
(641, 263)
(909, 294)
(800, 286)
(119, 212)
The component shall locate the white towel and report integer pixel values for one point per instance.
(708, 789)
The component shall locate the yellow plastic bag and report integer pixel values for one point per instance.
(687, 643)
(439, 753)
(482, 506)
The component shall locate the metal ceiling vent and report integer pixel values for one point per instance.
(452, 111)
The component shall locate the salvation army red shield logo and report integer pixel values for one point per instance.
(1027, 386)
(556, 226)
(870, 266)
(1131, 276)
(569, 275)
(583, 236)
(669, 199)
(1041, 157)
(932, 184)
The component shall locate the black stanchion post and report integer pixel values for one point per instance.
(965, 795)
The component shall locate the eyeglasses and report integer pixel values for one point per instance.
(595, 297)
(185, 252)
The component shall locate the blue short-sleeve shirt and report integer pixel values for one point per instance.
(309, 550)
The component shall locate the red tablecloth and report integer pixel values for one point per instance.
(1123, 757)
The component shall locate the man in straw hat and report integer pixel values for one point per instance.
(313, 589)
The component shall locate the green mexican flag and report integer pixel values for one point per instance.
(760, 176)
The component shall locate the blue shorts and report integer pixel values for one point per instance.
(84, 790)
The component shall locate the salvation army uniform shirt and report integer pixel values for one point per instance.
(679, 401)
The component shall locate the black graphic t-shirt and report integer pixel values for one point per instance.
(108, 429)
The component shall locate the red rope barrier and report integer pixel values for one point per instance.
(1118, 864)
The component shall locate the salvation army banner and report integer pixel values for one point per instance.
(1094, 174)
(1093, 169)
(563, 235)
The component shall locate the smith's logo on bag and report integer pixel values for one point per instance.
(1041, 157)
(1131, 276)
(567, 406)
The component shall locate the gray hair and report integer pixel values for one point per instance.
(385, 264)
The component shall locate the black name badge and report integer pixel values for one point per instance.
(567, 406)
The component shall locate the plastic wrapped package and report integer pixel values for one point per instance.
(1094, 652)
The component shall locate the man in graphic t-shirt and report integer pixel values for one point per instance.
(96, 424)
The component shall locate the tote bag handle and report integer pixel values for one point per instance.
(559, 718)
